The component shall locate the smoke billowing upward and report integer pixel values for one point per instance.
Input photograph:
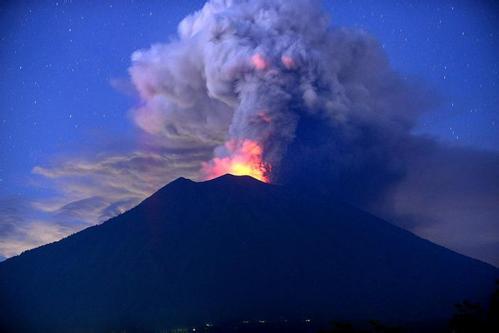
(274, 95)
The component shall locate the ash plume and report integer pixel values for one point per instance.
(278, 75)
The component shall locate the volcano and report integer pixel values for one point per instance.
(234, 249)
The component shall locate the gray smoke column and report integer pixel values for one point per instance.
(244, 76)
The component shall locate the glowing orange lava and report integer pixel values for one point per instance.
(245, 160)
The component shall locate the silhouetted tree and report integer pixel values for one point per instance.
(469, 317)
(376, 326)
(493, 313)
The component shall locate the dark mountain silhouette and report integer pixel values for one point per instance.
(234, 249)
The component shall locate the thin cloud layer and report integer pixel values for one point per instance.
(89, 191)
(450, 195)
(22, 227)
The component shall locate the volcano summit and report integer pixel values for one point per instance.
(234, 249)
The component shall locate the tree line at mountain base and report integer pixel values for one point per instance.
(469, 317)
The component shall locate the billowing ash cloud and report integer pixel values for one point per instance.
(258, 73)
(277, 92)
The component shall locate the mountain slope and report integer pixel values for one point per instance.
(232, 249)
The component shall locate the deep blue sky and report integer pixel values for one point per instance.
(63, 90)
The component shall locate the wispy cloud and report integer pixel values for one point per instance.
(89, 191)
(117, 176)
(23, 227)
(33, 234)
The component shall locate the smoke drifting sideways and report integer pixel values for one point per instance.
(316, 104)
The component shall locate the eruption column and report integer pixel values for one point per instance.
(244, 159)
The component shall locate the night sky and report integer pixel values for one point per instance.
(65, 96)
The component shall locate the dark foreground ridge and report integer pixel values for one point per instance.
(231, 250)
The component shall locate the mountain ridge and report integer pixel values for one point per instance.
(230, 248)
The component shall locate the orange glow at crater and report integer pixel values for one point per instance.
(245, 160)
(259, 61)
